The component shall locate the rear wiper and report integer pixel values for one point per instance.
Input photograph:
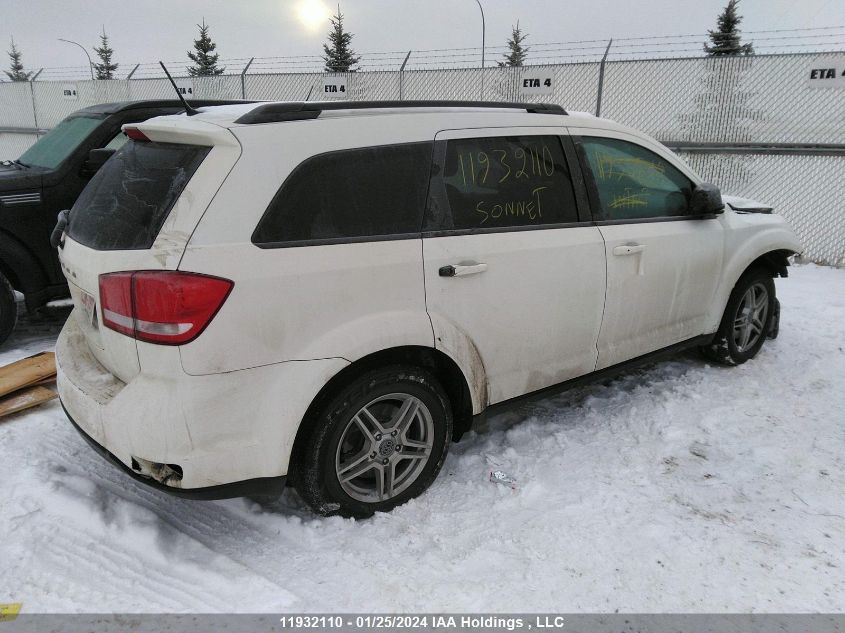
(17, 162)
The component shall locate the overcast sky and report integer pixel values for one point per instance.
(148, 30)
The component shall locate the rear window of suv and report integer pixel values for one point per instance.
(128, 200)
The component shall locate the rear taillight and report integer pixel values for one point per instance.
(164, 307)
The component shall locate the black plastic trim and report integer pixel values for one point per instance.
(429, 234)
(579, 181)
(661, 218)
(503, 229)
(551, 390)
(260, 486)
(338, 240)
(301, 110)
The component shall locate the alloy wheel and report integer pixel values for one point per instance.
(750, 317)
(384, 447)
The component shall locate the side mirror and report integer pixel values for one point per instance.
(96, 159)
(706, 200)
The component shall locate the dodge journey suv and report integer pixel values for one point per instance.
(329, 293)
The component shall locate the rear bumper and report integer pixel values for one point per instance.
(260, 486)
(211, 436)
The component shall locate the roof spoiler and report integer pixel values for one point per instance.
(302, 110)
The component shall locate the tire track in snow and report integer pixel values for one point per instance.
(209, 524)
(69, 553)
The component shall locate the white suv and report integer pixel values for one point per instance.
(331, 292)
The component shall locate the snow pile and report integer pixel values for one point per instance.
(680, 487)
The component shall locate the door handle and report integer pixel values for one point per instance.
(628, 249)
(631, 249)
(461, 270)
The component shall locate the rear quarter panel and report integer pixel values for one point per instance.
(303, 302)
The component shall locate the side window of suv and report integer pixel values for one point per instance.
(350, 195)
(501, 182)
(632, 182)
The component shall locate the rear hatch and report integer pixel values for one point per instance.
(137, 213)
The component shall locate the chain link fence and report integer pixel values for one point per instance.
(755, 99)
(744, 102)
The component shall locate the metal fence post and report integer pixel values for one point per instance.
(601, 78)
(32, 96)
(129, 81)
(243, 77)
(483, 45)
(402, 77)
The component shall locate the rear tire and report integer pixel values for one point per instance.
(378, 443)
(747, 320)
(8, 309)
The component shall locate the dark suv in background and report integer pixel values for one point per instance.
(47, 178)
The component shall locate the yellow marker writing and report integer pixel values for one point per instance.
(9, 612)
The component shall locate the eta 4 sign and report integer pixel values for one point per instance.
(69, 92)
(334, 88)
(826, 72)
(185, 86)
(536, 84)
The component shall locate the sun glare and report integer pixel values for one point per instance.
(313, 14)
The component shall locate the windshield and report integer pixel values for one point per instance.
(52, 148)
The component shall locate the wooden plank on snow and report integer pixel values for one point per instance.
(27, 372)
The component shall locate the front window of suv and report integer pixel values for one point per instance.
(55, 146)
(633, 183)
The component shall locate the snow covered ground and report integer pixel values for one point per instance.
(680, 487)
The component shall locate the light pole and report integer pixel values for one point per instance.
(84, 50)
(483, 37)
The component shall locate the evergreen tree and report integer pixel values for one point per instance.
(105, 69)
(16, 72)
(517, 53)
(339, 57)
(723, 107)
(726, 40)
(204, 57)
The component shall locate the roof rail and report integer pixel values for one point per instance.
(300, 110)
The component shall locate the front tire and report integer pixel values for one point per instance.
(378, 443)
(747, 320)
(8, 309)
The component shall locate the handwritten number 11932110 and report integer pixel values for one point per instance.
(519, 163)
